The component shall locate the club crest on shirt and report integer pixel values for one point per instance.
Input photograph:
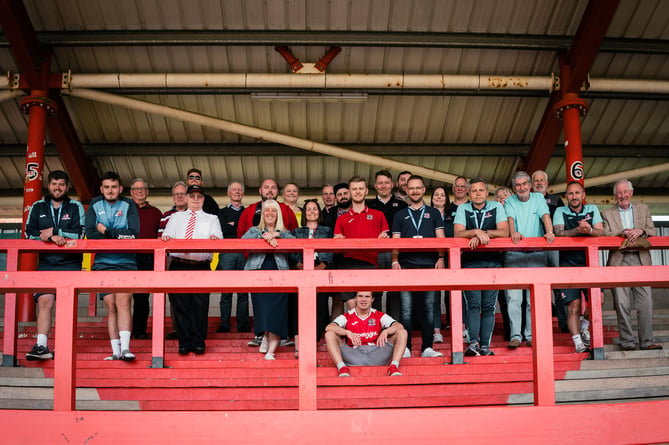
(66, 217)
(370, 217)
(426, 216)
(118, 213)
(371, 322)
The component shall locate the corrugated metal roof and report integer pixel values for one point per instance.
(456, 122)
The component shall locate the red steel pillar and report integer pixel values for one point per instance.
(38, 107)
(570, 109)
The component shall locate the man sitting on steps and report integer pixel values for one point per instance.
(372, 338)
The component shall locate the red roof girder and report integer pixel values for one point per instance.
(33, 60)
(580, 56)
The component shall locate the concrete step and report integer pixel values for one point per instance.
(616, 373)
(591, 365)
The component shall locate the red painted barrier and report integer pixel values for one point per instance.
(307, 282)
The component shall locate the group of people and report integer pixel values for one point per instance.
(356, 332)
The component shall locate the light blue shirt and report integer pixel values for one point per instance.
(627, 217)
(527, 216)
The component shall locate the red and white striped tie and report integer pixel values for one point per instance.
(190, 227)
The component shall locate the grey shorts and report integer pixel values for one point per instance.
(367, 355)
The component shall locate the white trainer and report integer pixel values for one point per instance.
(264, 345)
(429, 352)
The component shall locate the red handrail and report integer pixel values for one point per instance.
(306, 282)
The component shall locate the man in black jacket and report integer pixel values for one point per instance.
(55, 219)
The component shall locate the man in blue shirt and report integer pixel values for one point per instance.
(577, 219)
(418, 221)
(112, 216)
(480, 220)
(528, 216)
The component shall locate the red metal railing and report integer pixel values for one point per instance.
(307, 282)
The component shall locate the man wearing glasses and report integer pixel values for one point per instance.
(149, 220)
(194, 177)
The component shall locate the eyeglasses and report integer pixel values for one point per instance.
(179, 195)
(195, 196)
(138, 188)
(196, 177)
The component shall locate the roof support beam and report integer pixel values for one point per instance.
(33, 60)
(272, 38)
(580, 56)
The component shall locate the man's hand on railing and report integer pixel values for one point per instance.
(550, 237)
(516, 237)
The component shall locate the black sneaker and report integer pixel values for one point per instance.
(473, 350)
(39, 353)
(485, 351)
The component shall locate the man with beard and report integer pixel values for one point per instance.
(343, 199)
(55, 219)
(418, 221)
(112, 216)
(401, 192)
(528, 216)
(251, 215)
(577, 219)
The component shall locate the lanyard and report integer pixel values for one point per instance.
(420, 219)
(483, 216)
(56, 218)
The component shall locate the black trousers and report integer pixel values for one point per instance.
(140, 302)
(191, 311)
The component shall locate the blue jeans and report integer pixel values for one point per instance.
(514, 297)
(480, 307)
(424, 301)
(234, 261)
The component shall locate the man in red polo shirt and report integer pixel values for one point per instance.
(359, 222)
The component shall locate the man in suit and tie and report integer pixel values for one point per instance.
(632, 222)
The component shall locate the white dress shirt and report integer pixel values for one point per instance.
(206, 225)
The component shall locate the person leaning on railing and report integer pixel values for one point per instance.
(192, 309)
(270, 309)
(634, 223)
(54, 219)
(310, 229)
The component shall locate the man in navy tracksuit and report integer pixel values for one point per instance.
(55, 219)
(112, 216)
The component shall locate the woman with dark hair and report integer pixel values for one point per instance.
(270, 310)
(440, 201)
(322, 260)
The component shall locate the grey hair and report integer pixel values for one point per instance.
(540, 172)
(620, 181)
(178, 183)
(519, 174)
(138, 180)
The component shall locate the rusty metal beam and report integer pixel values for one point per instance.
(33, 60)
(580, 56)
